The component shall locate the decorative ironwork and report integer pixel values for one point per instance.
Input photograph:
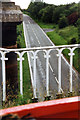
(34, 52)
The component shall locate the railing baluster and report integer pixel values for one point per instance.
(4, 75)
(21, 76)
(47, 75)
(71, 64)
(47, 56)
(34, 74)
(21, 72)
(4, 78)
(59, 70)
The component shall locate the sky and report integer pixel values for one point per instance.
(24, 3)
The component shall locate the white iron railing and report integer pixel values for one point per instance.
(35, 51)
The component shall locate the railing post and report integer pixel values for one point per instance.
(21, 74)
(4, 74)
(47, 56)
(34, 74)
(59, 70)
(71, 54)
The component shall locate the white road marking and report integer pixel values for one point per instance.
(58, 83)
(55, 76)
(36, 36)
(50, 67)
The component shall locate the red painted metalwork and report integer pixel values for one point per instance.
(62, 108)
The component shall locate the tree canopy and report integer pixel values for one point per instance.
(50, 13)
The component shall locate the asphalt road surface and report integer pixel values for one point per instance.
(35, 37)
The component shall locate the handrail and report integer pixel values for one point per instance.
(39, 48)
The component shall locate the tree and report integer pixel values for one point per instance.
(78, 26)
(34, 9)
(57, 13)
(47, 13)
(73, 41)
(63, 22)
(72, 18)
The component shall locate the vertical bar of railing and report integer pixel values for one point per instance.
(47, 72)
(71, 61)
(4, 75)
(34, 74)
(21, 72)
(59, 70)
(21, 77)
(71, 64)
(4, 79)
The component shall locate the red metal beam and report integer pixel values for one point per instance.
(61, 108)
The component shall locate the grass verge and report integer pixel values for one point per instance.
(46, 25)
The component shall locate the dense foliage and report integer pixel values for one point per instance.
(50, 13)
(78, 26)
(63, 22)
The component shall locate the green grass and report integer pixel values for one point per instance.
(56, 38)
(68, 33)
(46, 25)
(20, 37)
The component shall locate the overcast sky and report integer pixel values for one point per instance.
(25, 3)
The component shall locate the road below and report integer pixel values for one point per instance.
(36, 37)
